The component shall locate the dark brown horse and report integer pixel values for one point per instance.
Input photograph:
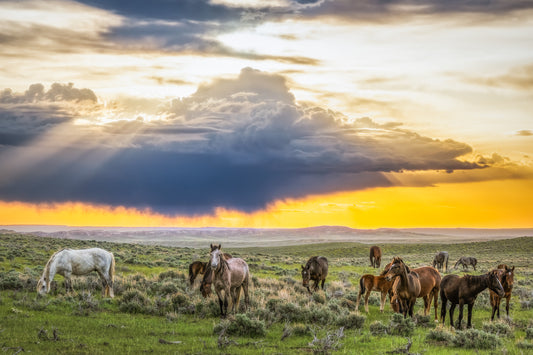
(440, 261)
(465, 261)
(406, 286)
(229, 277)
(205, 286)
(316, 269)
(464, 290)
(195, 268)
(375, 256)
(507, 280)
(369, 283)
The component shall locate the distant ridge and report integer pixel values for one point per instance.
(243, 237)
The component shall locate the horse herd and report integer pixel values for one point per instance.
(230, 275)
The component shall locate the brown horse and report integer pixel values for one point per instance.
(195, 268)
(430, 280)
(464, 290)
(406, 286)
(229, 276)
(205, 286)
(507, 280)
(375, 256)
(316, 269)
(369, 283)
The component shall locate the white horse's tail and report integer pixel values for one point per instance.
(109, 288)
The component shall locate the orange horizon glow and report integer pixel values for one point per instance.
(492, 204)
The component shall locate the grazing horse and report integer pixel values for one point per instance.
(507, 280)
(440, 261)
(464, 290)
(205, 286)
(406, 286)
(69, 262)
(229, 276)
(465, 261)
(375, 256)
(369, 283)
(316, 269)
(195, 268)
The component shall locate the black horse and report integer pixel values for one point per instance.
(464, 290)
(440, 261)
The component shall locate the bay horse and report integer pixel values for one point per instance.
(69, 262)
(440, 261)
(464, 290)
(406, 287)
(196, 268)
(229, 276)
(207, 280)
(315, 269)
(375, 256)
(465, 261)
(507, 280)
(430, 280)
(369, 283)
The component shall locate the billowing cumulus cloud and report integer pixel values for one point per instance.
(239, 142)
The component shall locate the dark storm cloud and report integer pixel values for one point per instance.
(237, 143)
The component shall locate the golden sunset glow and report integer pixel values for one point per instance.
(277, 114)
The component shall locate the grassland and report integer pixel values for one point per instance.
(156, 311)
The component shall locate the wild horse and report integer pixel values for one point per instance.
(507, 279)
(315, 269)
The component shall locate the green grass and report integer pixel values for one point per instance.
(166, 316)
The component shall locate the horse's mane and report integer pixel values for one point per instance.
(49, 262)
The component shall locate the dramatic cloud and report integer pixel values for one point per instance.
(236, 142)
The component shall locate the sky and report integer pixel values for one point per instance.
(267, 114)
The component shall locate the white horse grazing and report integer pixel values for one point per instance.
(69, 262)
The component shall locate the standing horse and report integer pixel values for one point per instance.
(316, 269)
(229, 276)
(507, 280)
(205, 286)
(406, 287)
(440, 261)
(465, 261)
(430, 279)
(464, 290)
(369, 283)
(69, 262)
(375, 256)
(195, 268)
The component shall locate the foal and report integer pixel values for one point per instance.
(507, 280)
(369, 283)
(406, 287)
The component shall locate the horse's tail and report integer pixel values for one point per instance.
(109, 288)
(191, 275)
(362, 285)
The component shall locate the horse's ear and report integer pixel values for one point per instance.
(211, 245)
(512, 269)
(407, 269)
(219, 246)
(302, 267)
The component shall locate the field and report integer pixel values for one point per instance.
(156, 311)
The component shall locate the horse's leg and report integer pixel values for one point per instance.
(323, 281)
(367, 295)
(443, 301)
(236, 299)
(452, 310)
(227, 295)
(470, 307)
(460, 318)
(245, 289)
(507, 299)
(493, 300)
(383, 298)
(436, 303)
(427, 303)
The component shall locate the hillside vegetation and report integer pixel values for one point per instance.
(156, 311)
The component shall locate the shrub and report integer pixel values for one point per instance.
(377, 328)
(320, 315)
(10, 281)
(134, 301)
(439, 335)
(171, 274)
(241, 326)
(168, 288)
(319, 297)
(401, 326)
(423, 321)
(498, 328)
(301, 329)
(524, 345)
(475, 339)
(351, 321)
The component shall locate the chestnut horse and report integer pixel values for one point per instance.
(406, 287)
(316, 269)
(507, 280)
(464, 290)
(229, 276)
(195, 268)
(369, 283)
(375, 256)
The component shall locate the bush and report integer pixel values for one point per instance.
(351, 321)
(475, 339)
(424, 321)
(401, 326)
(301, 329)
(529, 333)
(241, 326)
(319, 297)
(440, 335)
(498, 328)
(134, 301)
(10, 281)
(377, 328)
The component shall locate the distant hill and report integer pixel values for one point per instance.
(248, 237)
